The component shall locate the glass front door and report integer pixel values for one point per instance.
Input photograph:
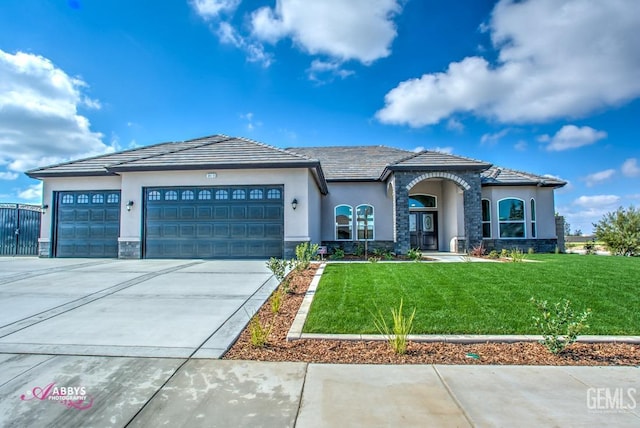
(423, 230)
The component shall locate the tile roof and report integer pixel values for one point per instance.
(352, 163)
(438, 161)
(499, 176)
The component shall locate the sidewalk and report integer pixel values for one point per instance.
(150, 392)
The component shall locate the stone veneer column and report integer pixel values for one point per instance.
(472, 210)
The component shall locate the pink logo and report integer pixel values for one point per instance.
(70, 397)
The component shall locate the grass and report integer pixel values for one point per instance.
(479, 298)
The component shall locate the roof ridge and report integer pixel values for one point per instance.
(530, 174)
(269, 146)
(406, 158)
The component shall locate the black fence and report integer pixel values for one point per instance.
(19, 229)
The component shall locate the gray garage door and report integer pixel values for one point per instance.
(87, 224)
(214, 222)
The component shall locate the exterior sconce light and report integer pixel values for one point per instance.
(129, 205)
(44, 209)
(294, 203)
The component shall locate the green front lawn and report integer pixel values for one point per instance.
(478, 298)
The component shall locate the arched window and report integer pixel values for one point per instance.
(486, 218)
(238, 194)
(97, 199)
(83, 199)
(204, 195)
(222, 194)
(154, 195)
(365, 222)
(67, 199)
(533, 218)
(187, 195)
(511, 218)
(344, 223)
(423, 201)
(171, 195)
(255, 194)
(274, 194)
(113, 198)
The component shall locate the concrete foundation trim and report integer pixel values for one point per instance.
(129, 249)
(44, 248)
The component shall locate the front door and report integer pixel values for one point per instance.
(423, 230)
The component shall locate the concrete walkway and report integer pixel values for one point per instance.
(151, 392)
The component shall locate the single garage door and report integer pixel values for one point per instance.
(87, 224)
(214, 222)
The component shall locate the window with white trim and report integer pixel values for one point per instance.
(365, 222)
(511, 218)
(533, 218)
(486, 218)
(154, 195)
(344, 223)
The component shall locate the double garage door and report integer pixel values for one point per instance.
(214, 222)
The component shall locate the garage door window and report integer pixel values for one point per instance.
(67, 199)
(154, 195)
(204, 195)
(97, 199)
(83, 199)
(274, 194)
(238, 194)
(113, 198)
(255, 194)
(187, 195)
(222, 194)
(171, 195)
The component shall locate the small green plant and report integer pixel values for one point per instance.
(414, 254)
(517, 255)
(493, 254)
(559, 324)
(259, 332)
(397, 334)
(277, 297)
(590, 247)
(387, 255)
(477, 251)
(374, 259)
(531, 251)
(504, 254)
(358, 250)
(338, 254)
(304, 253)
(279, 267)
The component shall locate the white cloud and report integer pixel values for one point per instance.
(551, 64)
(319, 69)
(8, 175)
(39, 119)
(447, 150)
(599, 177)
(255, 51)
(630, 168)
(492, 139)
(251, 123)
(572, 137)
(597, 201)
(521, 146)
(209, 9)
(419, 149)
(31, 193)
(455, 125)
(361, 30)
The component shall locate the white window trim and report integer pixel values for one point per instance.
(489, 221)
(373, 229)
(523, 221)
(335, 223)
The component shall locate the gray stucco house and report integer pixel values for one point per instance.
(227, 197)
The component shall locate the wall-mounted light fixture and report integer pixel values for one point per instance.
(294, 203)
(44, 209)
(129, 205)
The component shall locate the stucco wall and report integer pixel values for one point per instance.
(355, 194)
(545, 208)
(315, 211)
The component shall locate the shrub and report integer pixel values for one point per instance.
(504, 254)
(620, 231)
(374, 259)
(493, 254)
(414, 254)
(400, 329)
(517, 255)
(304, 253)
(358, 250)
(477, 251)
(590, 247)
(277, 298)
(387, 255)
(338, 254)
(279, 268)
(259, 332)
(559, 324)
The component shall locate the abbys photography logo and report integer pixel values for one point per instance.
(71, 397)
(611, 400)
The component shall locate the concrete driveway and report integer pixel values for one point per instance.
(128, 308)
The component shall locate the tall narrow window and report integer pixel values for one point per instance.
(344, 222)
(365, 222)
(486, 218)
(511, 218)
(533, 218)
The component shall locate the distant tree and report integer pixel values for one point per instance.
(577, 232)
(567, 228)
(620, 231)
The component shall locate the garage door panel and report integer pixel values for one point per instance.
(87, 224)
(218, 222)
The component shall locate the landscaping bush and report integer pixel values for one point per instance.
(620, 231)
(414, 254)
(259, 332)
(304, 253)
(338, 254)
(559, 324)
(397, 334)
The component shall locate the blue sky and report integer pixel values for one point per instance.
(546, 86)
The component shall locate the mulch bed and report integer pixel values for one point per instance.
(379, 352)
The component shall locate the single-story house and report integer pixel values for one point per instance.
(227, 197)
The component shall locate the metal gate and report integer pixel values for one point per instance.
(19, 229)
